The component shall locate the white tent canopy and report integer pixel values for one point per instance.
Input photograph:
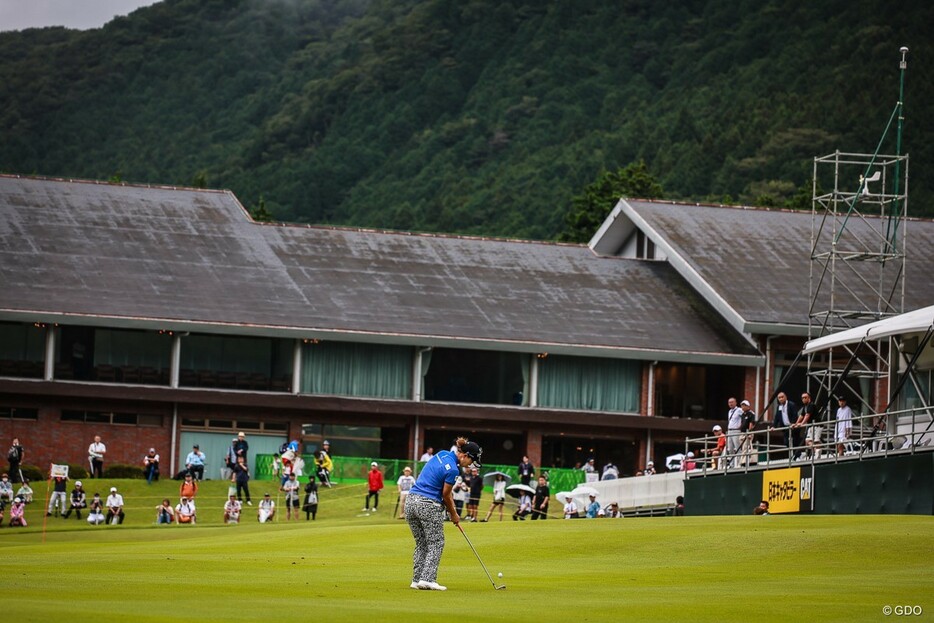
(917, 321)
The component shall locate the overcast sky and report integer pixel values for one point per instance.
(80, 14)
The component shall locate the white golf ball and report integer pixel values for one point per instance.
(500, 574)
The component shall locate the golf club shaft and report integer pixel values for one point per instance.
(478, 557)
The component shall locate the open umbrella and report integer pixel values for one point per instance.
(517, 490)
(584, 491)
(563, 496)
(490, 477)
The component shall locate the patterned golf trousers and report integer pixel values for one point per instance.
(426, 520)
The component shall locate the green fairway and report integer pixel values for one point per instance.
(348, 566)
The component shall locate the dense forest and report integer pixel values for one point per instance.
(475, 116)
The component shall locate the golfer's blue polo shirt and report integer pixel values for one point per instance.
(442, 468)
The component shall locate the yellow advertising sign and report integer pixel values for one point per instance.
(785, 489)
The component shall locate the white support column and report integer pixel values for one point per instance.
(648, 446)
(650, 399)
(533, 382)
(49, 352)
(416, 389)
(176, 364)
(297, 367)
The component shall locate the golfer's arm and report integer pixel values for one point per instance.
(448, 497)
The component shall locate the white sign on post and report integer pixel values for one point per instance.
(58, 471)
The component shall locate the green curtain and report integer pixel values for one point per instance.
(131, 348)
(590, 384)
(227, 354)
(22, 342)
(351, 369)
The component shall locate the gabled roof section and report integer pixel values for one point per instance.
(753, 264)
(118, 255)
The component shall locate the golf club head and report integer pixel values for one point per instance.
(499, 588)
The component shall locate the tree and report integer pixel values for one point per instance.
(590, 208)
(260, 214)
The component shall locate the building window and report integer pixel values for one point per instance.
(18, 413)
(106, 417)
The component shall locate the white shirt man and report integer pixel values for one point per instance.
(185, 511)
(232, 510)
(844, 424)
(96, 452)
(266, 510)
(734, 424)
(570, 509)
(405, 483)
(114, 507)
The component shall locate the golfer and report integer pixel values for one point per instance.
(425, 514)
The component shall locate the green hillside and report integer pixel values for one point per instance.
(479, 116)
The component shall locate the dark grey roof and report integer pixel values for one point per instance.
(141, 256)
(758, 260)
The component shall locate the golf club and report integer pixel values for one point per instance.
(495, 587)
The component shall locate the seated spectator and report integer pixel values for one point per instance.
(6, 489)
(593, 509)
(689, 463)
(266, 510)
(525, 507)
(96, 510)
(613, 511)
(151, 466)
(185, 511)
(649, 469)
(17, 513)
(762, 508)
(610, 472)
(194, 463)
(717, 451)
(79, 500)
(570, 508)
(25, 492)
(114, 505)
(232, 510)
(165, 514)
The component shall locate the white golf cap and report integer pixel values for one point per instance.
(717, 427)
(113, 489)
(77, 483)
(374, 464)
(690, 455)
(651, 463)
(745, 403)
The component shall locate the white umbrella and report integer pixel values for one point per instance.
(584, 491)
(563, 496)
(516, 490)
(490, 477)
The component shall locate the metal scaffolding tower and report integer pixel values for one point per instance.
(858, 257)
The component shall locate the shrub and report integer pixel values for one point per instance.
(33, 473)
(77, 472)
(118, 470)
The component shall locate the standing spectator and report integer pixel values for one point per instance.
(186, 512)
(151, 466)
(424, 510)
(277, 473)
(807, 419)
(459, 493)
(6, 490)
(679, 506)
(540, 501)
(290, 487)
(733, 432)
(232, 509)
(59, 496)
(242, 448)
(115, 513)
(165, 514)
(475, 484)
(311, 500)
(79, 500)
(499, 497)
(96, 452)
(194, 462)
(230, 461)
(18, 513)
(266, 510)
(325, 464)
(570, 508)
(241, 476)
(844, 424)
(526, 470)
(25, 492)
(96, 510)
(15, 457)
(404, 484)
(374, 486)
(426, 456)
(749, 423)
(188, 488)
(717, 451)
(524, 508)
(786, 414)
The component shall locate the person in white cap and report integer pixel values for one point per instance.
(79, 500)
(325, 464)
(375, 485)
(717, 451)
(114, 505)
(405, 483)
(649, 469)
(734, 424)
(749, 423)
(151, 466)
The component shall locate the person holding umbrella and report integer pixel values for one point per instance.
(424, 509)
(499, 495)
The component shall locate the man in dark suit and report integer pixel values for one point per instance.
(786, 414)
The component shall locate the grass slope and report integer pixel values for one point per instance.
(346, 566)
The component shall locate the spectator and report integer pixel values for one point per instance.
(570, 508)
(96, 452)
(688, 463)
(18, 513)
(277, 473)
(762, 508)
(325, 464)
(649, 469)
(25, 492)
(96, 510)
(749, 423)
(526, 470)
(593, 508)
(290, 487)
(165, 514)
(230, 461)
(6, 489)
(188, 488)
(194, 462)
(679, 506)
(241, 476)
(717, 451)
(15, 457)
(613, 511)
(524, 508)
(115, 513)
(242, 448)
(733, 432)
(404, 484)
(475, 484)
(807, 419)
(232, 509)
(459, 494)
(610, 472)
(844, 424)
(374, 486)
(311, 500)
(79, 500)
(540, 501)
(426, 456)
(185, 511)
(499, 497)
(266, 510)
(589, 467)
(59, 497)
(786, 415)
(151, 466)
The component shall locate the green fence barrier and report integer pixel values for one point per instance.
(350, 469)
